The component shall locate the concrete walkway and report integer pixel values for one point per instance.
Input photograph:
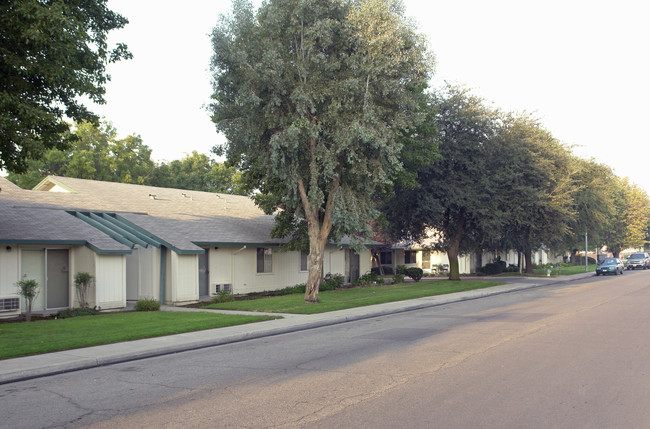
(17, 369)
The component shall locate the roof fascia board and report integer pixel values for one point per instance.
(107, 252)
(62, 242)
(51, 179)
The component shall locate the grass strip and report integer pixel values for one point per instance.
(45, 336)
(356, 297)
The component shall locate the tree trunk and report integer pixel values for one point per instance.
(454, 247)
(316, 250)
(376, 255)
(318, 232)
(529, 261)
(28, 314)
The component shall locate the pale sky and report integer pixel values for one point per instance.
(580, 66)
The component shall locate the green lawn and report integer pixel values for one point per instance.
(44, 336)
(356, 297)
(567, 270)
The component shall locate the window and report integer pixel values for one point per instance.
(304, 261)
(264, 260)
(386, 258)
(410, 256)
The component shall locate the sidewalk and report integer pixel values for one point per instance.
(17, 369)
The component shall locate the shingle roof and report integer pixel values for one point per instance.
(181, 218)
(28, 224)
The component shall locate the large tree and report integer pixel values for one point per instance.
(312, 96)
(456, 199)
(97, 154)
(52, 52)
(628, 225)
(198, 172)
(538, 191)
(592, 203)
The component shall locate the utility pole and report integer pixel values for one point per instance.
(586, 253)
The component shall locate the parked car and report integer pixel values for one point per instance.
(610, 266)
(638, 260)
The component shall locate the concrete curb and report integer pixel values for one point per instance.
(25, 368)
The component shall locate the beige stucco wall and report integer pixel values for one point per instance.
(110, 281)
(237, 266)
(8, 269)
(184, 279)
(82, 259)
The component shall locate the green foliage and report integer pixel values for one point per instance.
(415, 273)
(198, 172)
(223, 296)
(368, 279)
(96, 154)
(314, 98)
(401, 269)
(52, 54)
(64, 314)
(494, 268)
(82, 282)
(332, 281)
(28, 289)
(147, 304)
(456, 196)
(398, 278)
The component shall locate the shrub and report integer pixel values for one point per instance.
(398, 278)
(82, 282)
(64, 314)
(368, 279)
(388, 270)
(492, 269)
(147, 304)
(415, 273)
(401, 269)
(299, 288)
(331, 282)
(28, 289)
(223, 296)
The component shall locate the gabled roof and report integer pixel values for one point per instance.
(38, 225)
(181, 220)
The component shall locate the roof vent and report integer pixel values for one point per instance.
(152, 196)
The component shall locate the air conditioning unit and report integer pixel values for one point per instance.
(9, 306)
(220, 287)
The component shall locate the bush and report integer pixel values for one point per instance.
(415, 273)
(368, 279)
(331, 282)
(398, 278)
(300, 288)
(82, 282)
(223, 296)
(388, 270)
(147, 304)
(401, 269)
(28, 289)
(64, 314)
(492, 269)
